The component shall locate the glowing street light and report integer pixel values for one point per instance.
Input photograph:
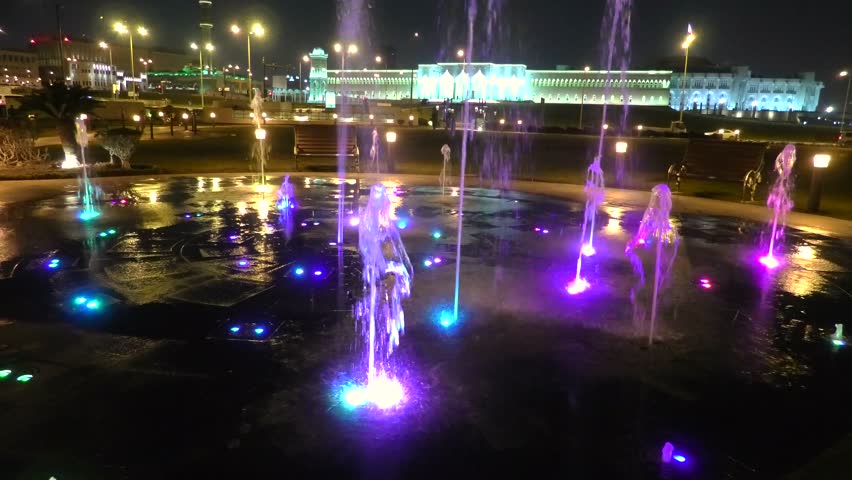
(687, 41)
(105, 46)
(829, 109)
(122, 29)
(378, 59)
(582, 99)
(845, 73)
(460, 53)
(258, 31)
(352, 49)
(209, 47)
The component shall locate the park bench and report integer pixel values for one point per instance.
(724, 161)
(322, 141)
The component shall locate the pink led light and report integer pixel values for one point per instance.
(769, 261)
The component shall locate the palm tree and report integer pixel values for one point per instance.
(64, 104)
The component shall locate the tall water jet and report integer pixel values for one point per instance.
(261, 149)
(656, 226)
(286, 206)
(780, 201)
(442, 179)
(386, 275)
(374, 150)
(471, 17)
(88, 194)
(616, 24)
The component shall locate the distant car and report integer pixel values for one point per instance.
(724, 134)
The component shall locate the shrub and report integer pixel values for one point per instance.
(18, 149)
(120, 143)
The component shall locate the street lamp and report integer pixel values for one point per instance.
(305, 59)
(829, 109)
(256, 30)
(145, 63)
(687, 41)
(105, 46)
(582, 97)
(122, 29)
(209, 47)
(845, 73)
(378, 59)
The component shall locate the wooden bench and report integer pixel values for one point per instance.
(725, 161)
(322, 141)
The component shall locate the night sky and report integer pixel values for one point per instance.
(776, 38)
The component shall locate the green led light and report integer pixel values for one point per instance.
(79, 300)
(111, 231)
(5, 373)
(24, 378)
(102, 234)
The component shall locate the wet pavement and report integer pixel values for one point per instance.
(146, 377)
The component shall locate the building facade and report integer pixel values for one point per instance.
(739, 90)
(86, 63)
(490, 82)
(18, 68)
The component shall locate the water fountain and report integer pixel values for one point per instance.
(616, 23)
(88, 193)
(286, 206)
(374, 150)
(655, 226)
(780, 201)
(261, 148)
(838, 339)
(442, 179)
(386, 275)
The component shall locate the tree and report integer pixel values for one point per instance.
(120, 143)
(64, 104)
(18, 149)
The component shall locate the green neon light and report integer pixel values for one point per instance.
(5, 373)
(25, 378)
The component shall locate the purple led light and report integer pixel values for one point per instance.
(438, 260)
(579, 285)
(243, 263)
(187, 215)
(304, 224)
(588, 250)
(537, 229)
(354, 221)
(545, 231)
(317, 273)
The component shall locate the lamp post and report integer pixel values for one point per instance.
(820, 163)
(459, 54)
(209, 47)
(582, 98)
(122, 29)
(305, 59)
(145, 63)
(687, 41)
(105, 46)
(845, 73)
(352, 49)
(257, 30)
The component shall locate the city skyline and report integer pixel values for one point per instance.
(540, 41)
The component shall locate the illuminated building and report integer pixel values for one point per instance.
(709, 91)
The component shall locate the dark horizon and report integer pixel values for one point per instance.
(541, 33)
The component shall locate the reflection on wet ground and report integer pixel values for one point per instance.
(209, 262)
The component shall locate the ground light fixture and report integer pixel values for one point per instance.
(820, 163)
(620, 147)
(390, 137)
(260, 134)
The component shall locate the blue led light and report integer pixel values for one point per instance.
(427, 263)
(299, 271)
(259, 330)
(243, 263)
(402, 224)
(354, 396)
(93, 304)
(235, 329)
(317, 273)
(436, 235)
(679, 458)
(446, 319)
(80, 300)
(187, 215)
(54, 263)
